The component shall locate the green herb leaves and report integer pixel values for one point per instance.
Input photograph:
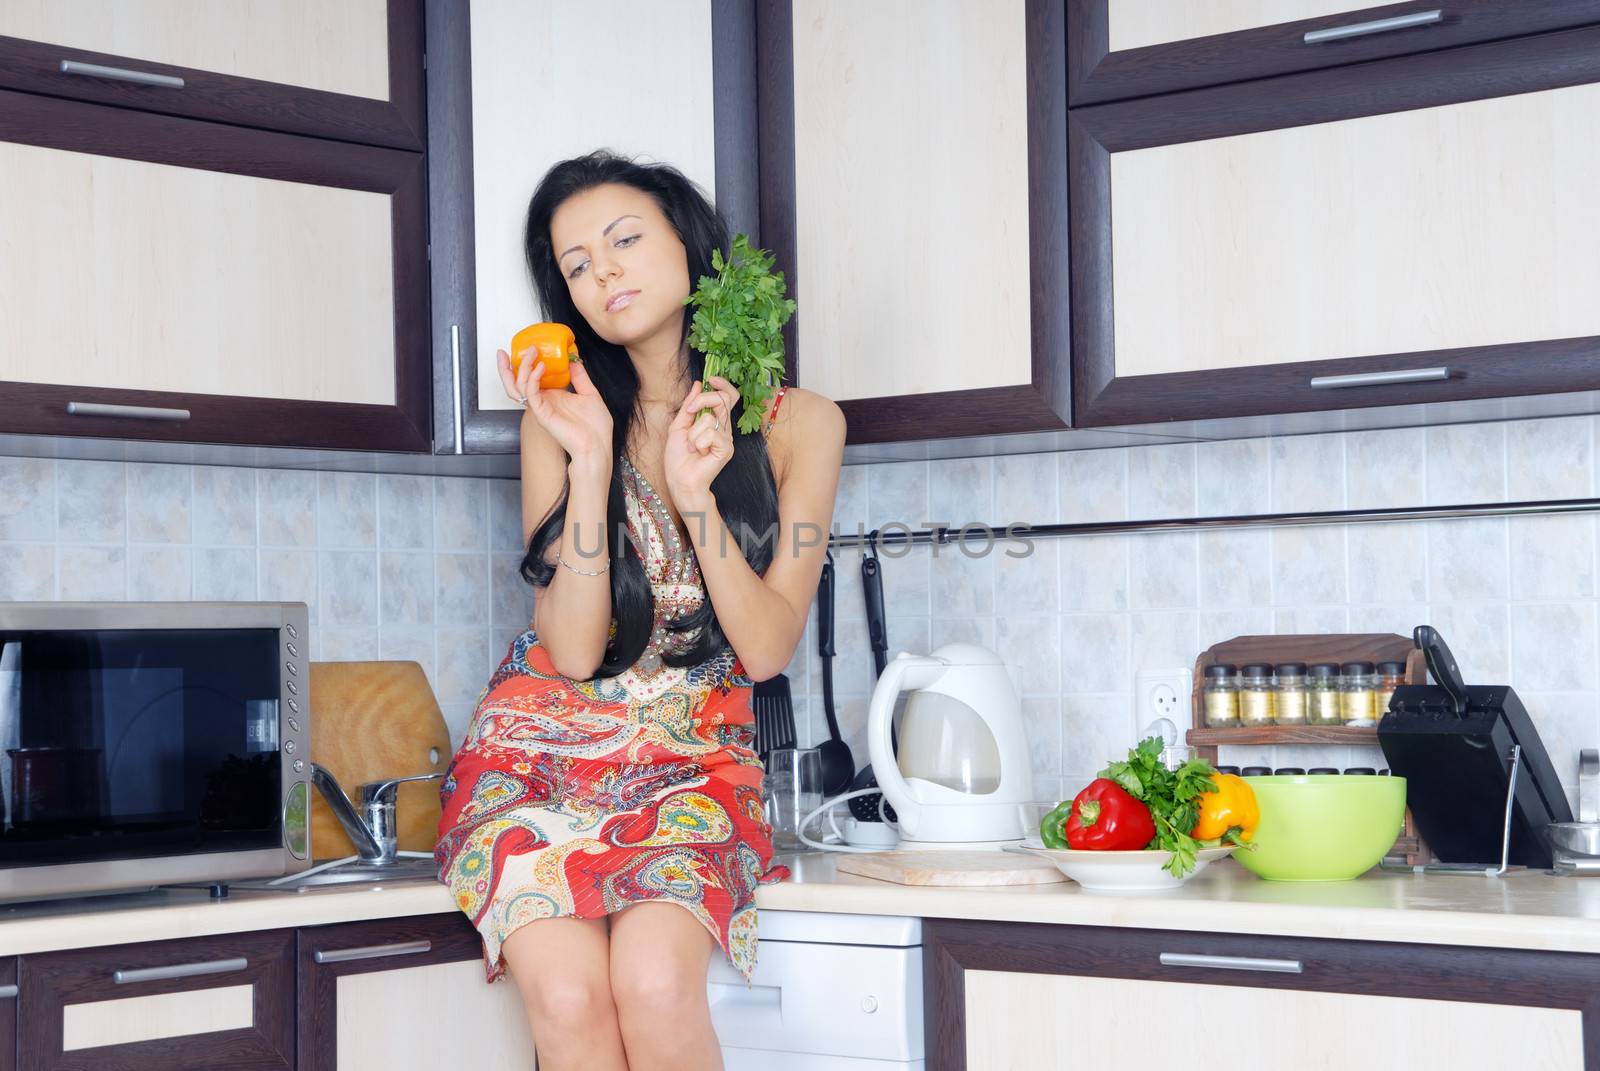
(1171, 796)
(738, 324)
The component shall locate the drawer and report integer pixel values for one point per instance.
(1119, 49)
(822, 999)
(202, 1003)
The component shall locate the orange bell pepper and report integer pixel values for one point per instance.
(554, 344)
(1231, 805)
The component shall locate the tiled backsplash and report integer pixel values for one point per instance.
(392, 566)
(1080, 616)
(425, 568)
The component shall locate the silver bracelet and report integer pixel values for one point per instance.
(580, 572)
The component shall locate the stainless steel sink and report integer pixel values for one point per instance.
(404, 869)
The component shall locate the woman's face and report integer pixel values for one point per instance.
(625, 266)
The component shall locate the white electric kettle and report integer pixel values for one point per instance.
(964, 769)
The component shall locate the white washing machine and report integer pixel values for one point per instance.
(830, 992)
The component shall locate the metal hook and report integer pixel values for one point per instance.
(872, 543)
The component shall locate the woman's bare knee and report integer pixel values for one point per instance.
(561, 968)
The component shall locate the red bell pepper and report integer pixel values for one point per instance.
(1106, 818)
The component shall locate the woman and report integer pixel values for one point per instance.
(602, 821)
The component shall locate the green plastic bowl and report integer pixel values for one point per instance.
(1323, 827)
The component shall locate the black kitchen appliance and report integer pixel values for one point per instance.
(1453, 744)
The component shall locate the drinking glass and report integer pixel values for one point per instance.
(793, 790)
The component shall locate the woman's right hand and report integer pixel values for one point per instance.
(577, 419)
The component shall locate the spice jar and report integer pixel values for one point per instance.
(1292, 705)
(1256, 771)
(1390, 676)
(1289, 771)
(1358, 695)
(1256, 706)
(1221, 696)
(1322, 689)
(1322, 770)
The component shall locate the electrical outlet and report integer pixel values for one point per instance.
(1161, 693)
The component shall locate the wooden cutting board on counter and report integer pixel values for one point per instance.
(369, 721)
(951, 867)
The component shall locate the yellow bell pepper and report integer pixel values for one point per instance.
(1232, 805)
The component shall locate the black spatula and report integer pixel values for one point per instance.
(773, 707)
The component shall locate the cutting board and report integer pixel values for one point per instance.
(369, 721)
(951, 868)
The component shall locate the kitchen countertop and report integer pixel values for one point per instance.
(1524, 909)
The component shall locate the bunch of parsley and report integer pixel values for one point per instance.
(738, 325)
(1171, 795)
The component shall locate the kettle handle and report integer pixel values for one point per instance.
(904, 672)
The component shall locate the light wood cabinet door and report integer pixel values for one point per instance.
(1132, 48)
(911, 188)
(350, 70)
(499, 122)
(188, 1005)
(406, 994)
(208, 283)
(1006, 995)
(1415, 230)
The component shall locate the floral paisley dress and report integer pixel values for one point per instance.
(580, 797)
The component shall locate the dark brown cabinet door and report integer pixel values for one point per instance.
(1137, 49)
(199, 1004)
(1074, 990)
(1400, 232)
(404, 992)
(8, 1013)
(352, 72)
(182, 281)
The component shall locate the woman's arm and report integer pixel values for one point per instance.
(578, 604)
(764, 618)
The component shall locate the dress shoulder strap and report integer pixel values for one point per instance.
(772, 413)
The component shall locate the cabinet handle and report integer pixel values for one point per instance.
(127, 412)
(1231, 963)
(455, 377)
(8, 992)
(345, 955)
(1361, 29)
(1379, 379)
(121, 74)
(179, 970)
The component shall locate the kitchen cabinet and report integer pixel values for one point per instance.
(497, 123)
(405, 993)
(912, 165)
(200, 1003)
(1404, 231)
(1061, 996)
(174, 280)
(1135, 48)
(350, 71)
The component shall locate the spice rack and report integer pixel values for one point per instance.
(1362, 647)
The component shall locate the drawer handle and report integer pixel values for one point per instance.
(8, 992)
(127, 412)
(1379, 379)
(345, 955)
(1231, 963)
(121, 74)
(1361, 29)
(179, 970)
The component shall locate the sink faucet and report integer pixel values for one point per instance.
(372, 828)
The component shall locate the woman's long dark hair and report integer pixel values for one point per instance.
(747, 496)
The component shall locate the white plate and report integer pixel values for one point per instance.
(1140, 871)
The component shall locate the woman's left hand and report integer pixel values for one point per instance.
(699, 443)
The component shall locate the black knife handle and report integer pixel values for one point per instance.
(1442, 664)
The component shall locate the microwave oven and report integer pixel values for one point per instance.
(147, 744)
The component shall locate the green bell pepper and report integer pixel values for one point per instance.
(1053, 826)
